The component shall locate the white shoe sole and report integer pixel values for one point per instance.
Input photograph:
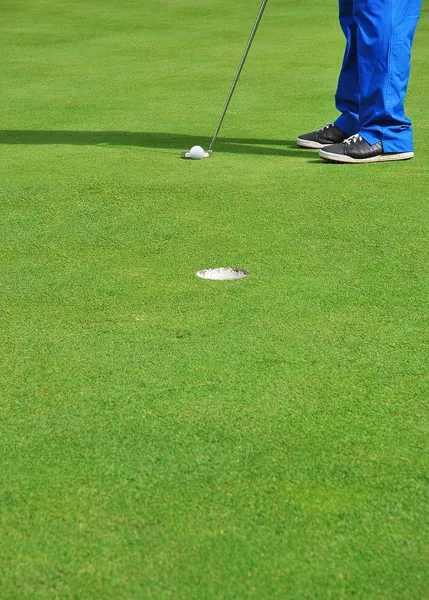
(309, 144)
(380, 158)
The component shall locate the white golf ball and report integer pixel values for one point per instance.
(196, 152)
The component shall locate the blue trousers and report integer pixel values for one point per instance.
(374, 77)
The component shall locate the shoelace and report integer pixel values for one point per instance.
(327, 126)
(353, 139)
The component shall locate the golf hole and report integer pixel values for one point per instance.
(222, 274)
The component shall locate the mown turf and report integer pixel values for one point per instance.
(167, 437)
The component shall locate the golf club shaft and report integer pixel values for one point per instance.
(243, 60)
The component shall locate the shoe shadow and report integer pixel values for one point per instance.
(322, 161)
(155, 140)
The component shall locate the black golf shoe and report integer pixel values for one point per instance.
(356, 150)
(330, 134)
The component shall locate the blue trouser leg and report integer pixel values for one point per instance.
(385, 35)
(379, 37)
(347, 96)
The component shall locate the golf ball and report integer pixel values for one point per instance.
(196, 152)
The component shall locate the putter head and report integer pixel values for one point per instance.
(207, 154)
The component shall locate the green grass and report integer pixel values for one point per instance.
(166, 437)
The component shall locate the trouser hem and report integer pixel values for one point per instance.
(348, 123)
(399, 143)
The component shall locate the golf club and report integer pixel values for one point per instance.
(199, 153)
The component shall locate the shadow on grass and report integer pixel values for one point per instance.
(174, 141)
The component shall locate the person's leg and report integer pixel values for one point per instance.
(385, 31)
(347, 95)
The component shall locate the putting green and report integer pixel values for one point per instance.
(163, 436)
